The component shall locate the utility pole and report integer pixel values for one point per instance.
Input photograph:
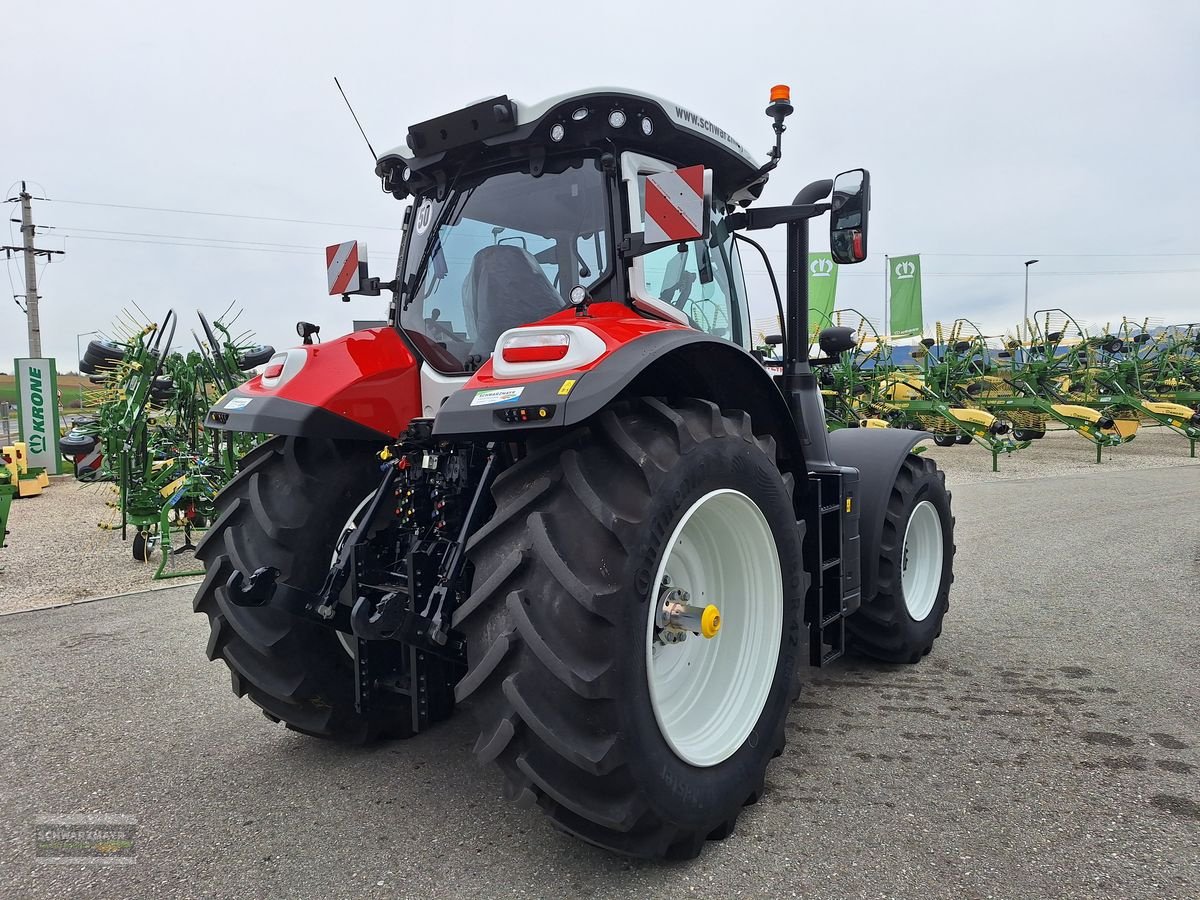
(31, 254)
(1025, 320)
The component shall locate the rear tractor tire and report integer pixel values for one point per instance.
(285, 509)
(916, 568)
(628, 735)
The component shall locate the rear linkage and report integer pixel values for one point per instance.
(405, 561)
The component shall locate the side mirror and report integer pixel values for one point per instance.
(677, 205)
(848, 216)
(836, 340)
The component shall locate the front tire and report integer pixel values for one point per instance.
(916, 568)
(559, 625)
(285, 509)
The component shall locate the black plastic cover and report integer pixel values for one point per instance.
(480, 121)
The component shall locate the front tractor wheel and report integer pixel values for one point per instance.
(285, 509)
(916, 569)
(635, 625)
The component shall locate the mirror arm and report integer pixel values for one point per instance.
(770, 216)
(634, 245)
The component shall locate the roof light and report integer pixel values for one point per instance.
(578, 294)
(557, 132)
(537, 347)
(781, 92)
(406, 174)
(580, 114)
(647, 126)
(616, 118)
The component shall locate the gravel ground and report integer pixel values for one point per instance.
(1048, 747)
(1061, 453)
(56, 553)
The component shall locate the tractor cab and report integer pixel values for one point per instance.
(514, 207)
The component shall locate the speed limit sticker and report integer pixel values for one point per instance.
(425, 216)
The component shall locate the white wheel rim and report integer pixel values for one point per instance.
(921, 561)
(708, 693)
(351, 524)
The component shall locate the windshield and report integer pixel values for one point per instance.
(501, 252)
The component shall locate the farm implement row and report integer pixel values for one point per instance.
(1004, 393)
(146, 436)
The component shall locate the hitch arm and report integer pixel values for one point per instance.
(452, 564)
(340, 573)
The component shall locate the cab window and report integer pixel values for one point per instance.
(702, 279)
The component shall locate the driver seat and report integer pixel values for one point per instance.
(505, 287)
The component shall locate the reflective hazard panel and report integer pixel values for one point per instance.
(678, 205)
(342, 262)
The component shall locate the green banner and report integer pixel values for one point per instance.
(822, 286)
(904, 277)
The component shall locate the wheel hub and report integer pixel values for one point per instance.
(707, 695)
(921, 561)
(678, 618)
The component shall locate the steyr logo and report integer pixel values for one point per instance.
(821, 268)
(906, 269)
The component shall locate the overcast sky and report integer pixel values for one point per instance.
(1065, 131)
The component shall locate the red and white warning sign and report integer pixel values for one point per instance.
(677, 204)
(342, 262)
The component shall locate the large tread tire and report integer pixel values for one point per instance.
(556, 625)
(101, 353)
(285, 509)
(255, 356)
(882, 627)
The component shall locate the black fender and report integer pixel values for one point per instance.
(241, 412)
(877, 453)
(673, 363)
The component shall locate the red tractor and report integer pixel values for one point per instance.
(561, 485)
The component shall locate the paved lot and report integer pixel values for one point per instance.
(1048, 747)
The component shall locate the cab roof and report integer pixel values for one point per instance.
(498, 129)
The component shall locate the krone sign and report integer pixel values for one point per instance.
(37, 410)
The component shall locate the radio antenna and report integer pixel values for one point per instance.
(374, 155)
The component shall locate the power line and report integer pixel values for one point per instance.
(182, 237)
(225, 215)
(1093, 273)
(92, 237)
(1053, 255)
